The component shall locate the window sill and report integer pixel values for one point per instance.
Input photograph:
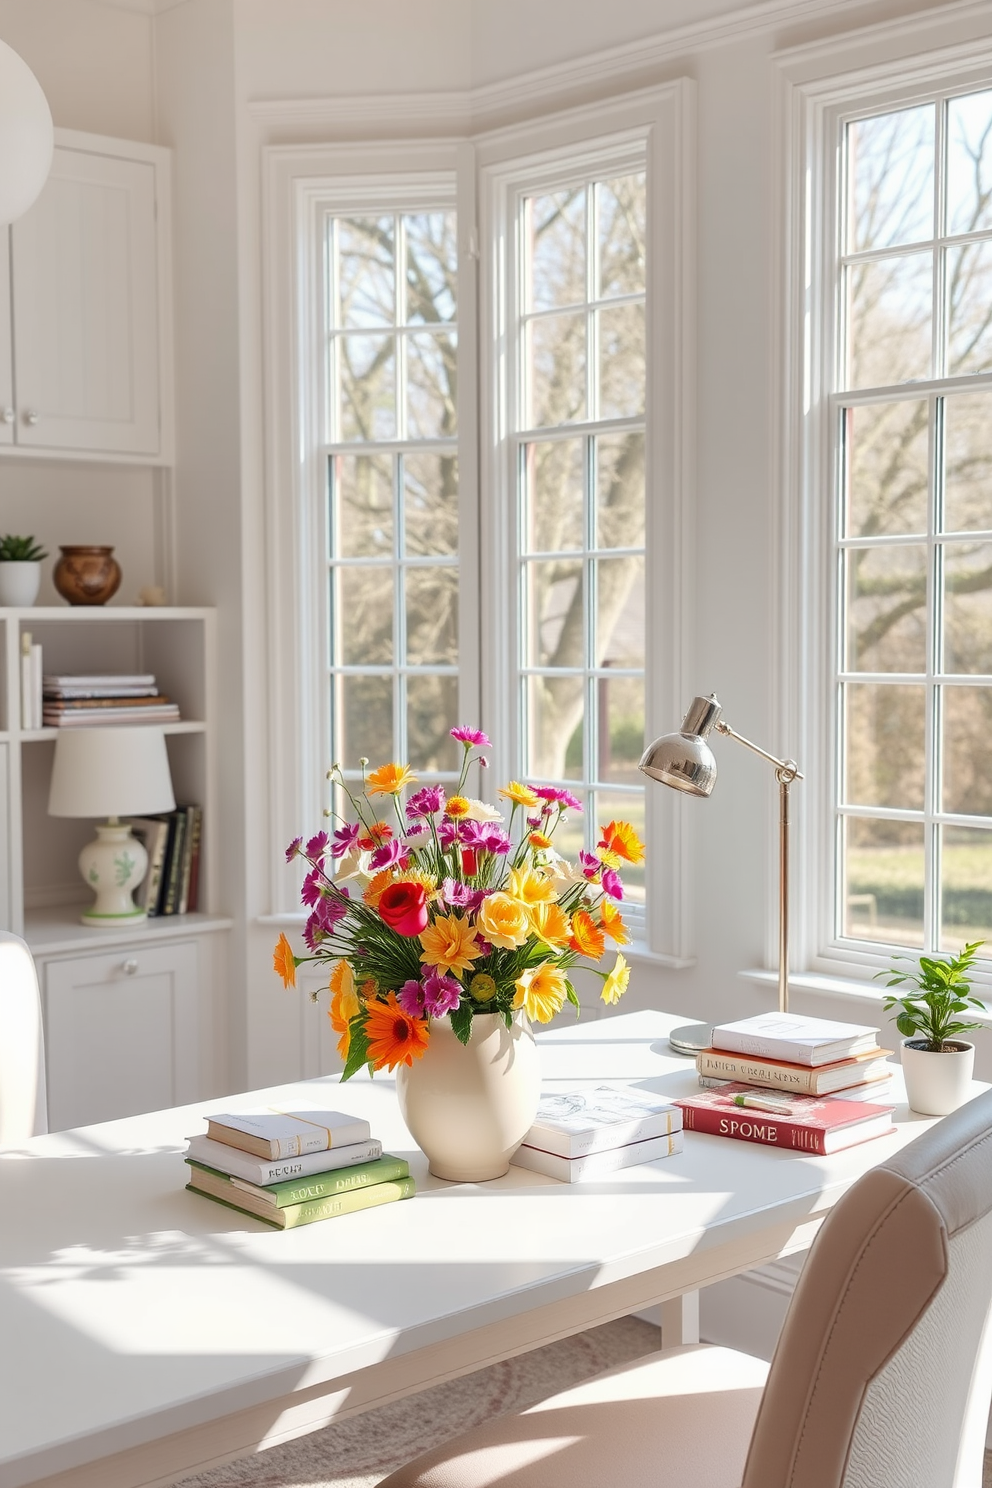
(848, 987)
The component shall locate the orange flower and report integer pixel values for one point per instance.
(612, 922)
(284, 962)
(615, 984)
(344, 1005)
(538, 839)
(541, 991)
(377, 834)
(620, 838)
(550, 922)
(503, 921)
(389, 780)
(587, 938)
(520, 795)
(457, 807)
(394, 1037)
(450, 944)
(530, 887)
(376, 887)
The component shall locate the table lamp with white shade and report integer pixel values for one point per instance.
(27, 137)
(111, 772)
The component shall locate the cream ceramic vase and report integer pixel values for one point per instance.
(468, 1106)
(937, 1084)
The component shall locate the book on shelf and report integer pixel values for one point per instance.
(286, 1192)
(169, 902)
(153, 833)
(31, 706)
(222, 1189)
(264, 1171)
(872, 1091)
(193, 897)
(97, 681)
(802, 1123)
(191, 833)
(805, 1079)
(101, 705)
(795, 1039)
(86, 717)
(276, 1134)
(597, 1164)
(572, 1123)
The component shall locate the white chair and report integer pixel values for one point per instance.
(881, 1378)
(23, 1101)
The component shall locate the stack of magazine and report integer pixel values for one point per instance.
(585, 1133)
(73, 700)
(290, 1168)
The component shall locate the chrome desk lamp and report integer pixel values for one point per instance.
(685, 762)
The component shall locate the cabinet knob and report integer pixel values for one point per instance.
(7, 415)
(129, 967)
(31, 417)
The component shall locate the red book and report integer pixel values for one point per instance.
(800, 1122)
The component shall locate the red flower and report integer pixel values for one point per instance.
(470, 861)
(403, 906)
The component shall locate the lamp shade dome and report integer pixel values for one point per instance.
(119, 771)
(27, 137)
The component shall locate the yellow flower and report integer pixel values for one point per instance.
(427, 881)
(376, 887)
(615, 984)
(520, 795)
(530, 887)
(612, 923)
(620, 838)
(541, 991)
(389, 780)
(538, 840)
(482, 987)
(587, 937)
(504, 921)
(344, 1005)
(450, 944)
(551, 923)
(284, 962)
(457, 807)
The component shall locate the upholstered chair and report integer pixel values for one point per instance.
(22, 1047)
(881, 1378)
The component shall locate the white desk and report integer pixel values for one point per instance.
(147, 1331)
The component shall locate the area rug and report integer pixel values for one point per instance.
(363, 1450)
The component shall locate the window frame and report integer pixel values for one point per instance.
(818, 96)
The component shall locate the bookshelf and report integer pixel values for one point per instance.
(142, 996)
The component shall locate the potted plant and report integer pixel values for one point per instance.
(937, 1064)
(20, 570)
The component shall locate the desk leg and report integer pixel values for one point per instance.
(680, 1320)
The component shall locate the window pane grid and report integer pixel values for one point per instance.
(913, 554)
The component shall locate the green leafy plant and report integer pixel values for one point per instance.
(932, 1011)
(20, 550)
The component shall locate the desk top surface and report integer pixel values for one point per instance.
(130, 1298)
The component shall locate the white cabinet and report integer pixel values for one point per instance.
(121, 1032)
(85, 349)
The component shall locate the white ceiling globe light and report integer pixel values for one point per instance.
(26, 136)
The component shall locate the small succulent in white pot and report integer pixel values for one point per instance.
(20, 570)
(937, 1063)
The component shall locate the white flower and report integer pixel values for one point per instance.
(560, 868)
(480, 812)
(354, 864)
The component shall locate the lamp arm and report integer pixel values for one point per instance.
(787, 768)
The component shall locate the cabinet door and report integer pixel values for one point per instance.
(6, 365)
(121, 1033)
(85, 308)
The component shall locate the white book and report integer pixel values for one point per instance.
(572, 1123)
(795, 1038)
(99, 679)
(27, 683)
(36, 685)
(871, 1091)
(275, 1134)
(259, 1170)
(596, 1164)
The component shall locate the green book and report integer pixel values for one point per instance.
(212, 1186)
(325, 1185)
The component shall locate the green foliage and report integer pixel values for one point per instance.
(461, 1022)
(932, 1011)
(20, 550)
(358, 1049)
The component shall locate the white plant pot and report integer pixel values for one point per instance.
(937, 1083)
(468, 1106)
(19, 584)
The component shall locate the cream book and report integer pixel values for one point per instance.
(574, 1122)
(596, 1164)
(276, 1134)
(792, 1037)
(805, 1079)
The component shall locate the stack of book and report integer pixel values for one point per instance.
(172, 841)
(72, 700)
(780, 1119)
(585, 1133)
(31, 709)
(807, 1056)
(292, 1168)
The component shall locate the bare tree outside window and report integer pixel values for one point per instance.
(914, 562)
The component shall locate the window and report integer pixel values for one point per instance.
(577, 456)
(911, 414)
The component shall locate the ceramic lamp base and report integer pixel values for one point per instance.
(114, 866)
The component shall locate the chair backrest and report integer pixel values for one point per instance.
(883, 1370)
(23, 1107)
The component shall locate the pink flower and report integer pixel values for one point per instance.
(556, 793)
(411, 998)
(416, 829)
(471, 738)
(314, 933)
(460, 896)
(450, 832)
(293, 850)
(441, 994)
(589, 864)
(313, 887)
(485, 837)
(331, 907)
(390, 853)
(611, 883)
(426, 801)
(317, 846)
(344, 839)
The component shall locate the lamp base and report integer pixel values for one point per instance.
(689, 1038)
(113, 865)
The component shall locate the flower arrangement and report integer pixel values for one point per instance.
(448, 909)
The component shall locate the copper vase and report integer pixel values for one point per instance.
(87, 575)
